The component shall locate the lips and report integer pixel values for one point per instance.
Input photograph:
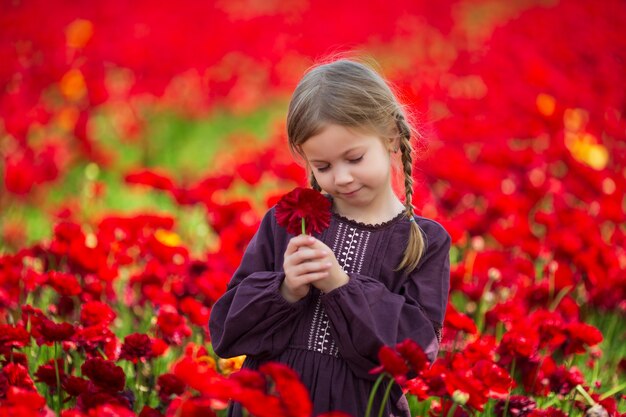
(350, 193)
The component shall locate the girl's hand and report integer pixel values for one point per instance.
(336, 276)
(304, 265)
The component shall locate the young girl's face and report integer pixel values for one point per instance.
(353, 167)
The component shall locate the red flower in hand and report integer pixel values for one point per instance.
(303, 210)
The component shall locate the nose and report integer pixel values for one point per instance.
(343, 175)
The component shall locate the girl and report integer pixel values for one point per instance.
(377, 275)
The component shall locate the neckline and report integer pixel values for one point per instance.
(355, 223)
(369, 226)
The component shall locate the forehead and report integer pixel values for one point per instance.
(335, 141)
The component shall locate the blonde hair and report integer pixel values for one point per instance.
(351, 94)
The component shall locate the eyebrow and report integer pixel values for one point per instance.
(356, 148)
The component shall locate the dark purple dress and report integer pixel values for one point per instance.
(332, 340)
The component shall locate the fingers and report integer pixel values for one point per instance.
(310, 267)
(306, 254)
(297, 242)
(312, 277)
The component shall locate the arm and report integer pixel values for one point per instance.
(366, 314)
(252, 317)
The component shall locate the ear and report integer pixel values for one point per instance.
(393, 144)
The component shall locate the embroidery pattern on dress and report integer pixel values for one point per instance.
(349, 245)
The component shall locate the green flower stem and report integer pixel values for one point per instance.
(585, 395)
(559, 297)
(59, 401)
(381, 410)
(104, 355)
(138, 387)
(508, 397)
(303, 228)
(370, 402)
(613, 391)
(482, 305)
(571, 403)
(452, 410)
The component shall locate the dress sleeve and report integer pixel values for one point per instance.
(365, 314)
(252, 317)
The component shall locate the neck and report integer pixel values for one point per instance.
(380, 212)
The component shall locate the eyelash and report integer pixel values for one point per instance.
(352, 161)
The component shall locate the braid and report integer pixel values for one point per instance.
(314, 183)
(415, 247)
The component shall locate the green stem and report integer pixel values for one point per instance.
(559, 297)
(370, 402)
(100, 351)
(571, 403)
(381, 410)
(138, 387)
(585, 395)
(452, 410)
(56, 371)
(508, 397)
(303, 228)
(482, 305)
(613, 391)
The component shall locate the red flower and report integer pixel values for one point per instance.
(496, 380)
(31, 403)
(293, 395)
(204, 379)
(168, 385)
(54, 332)
(17, 376)
(172, 326)
(136, 347)
(105, 374)
(13, 336)
(93, 400)
(64, 284)
(392, 363)
(581, 335)
(198, 313)
(303, 203)
(413, 354)
(517, 406)
(151, 179)
(459, 321)
(563, 380)
(95, 312)
(159, 347)
(47, 373)
(520, 341)
(548, 412)
(4, 385)
(149, 412)
(94, 338)
(115, 409)
(74, 385)
(191, 407)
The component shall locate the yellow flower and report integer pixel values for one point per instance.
(546, 104)
(230, 365)
(168, 238)
(73, 85)
(208, 360)
(585, 148)
(78, 33)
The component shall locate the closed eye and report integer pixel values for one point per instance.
(356, 160)
(323, 169)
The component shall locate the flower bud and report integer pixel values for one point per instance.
(460, 397)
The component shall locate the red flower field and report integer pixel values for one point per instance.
(141, 143)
